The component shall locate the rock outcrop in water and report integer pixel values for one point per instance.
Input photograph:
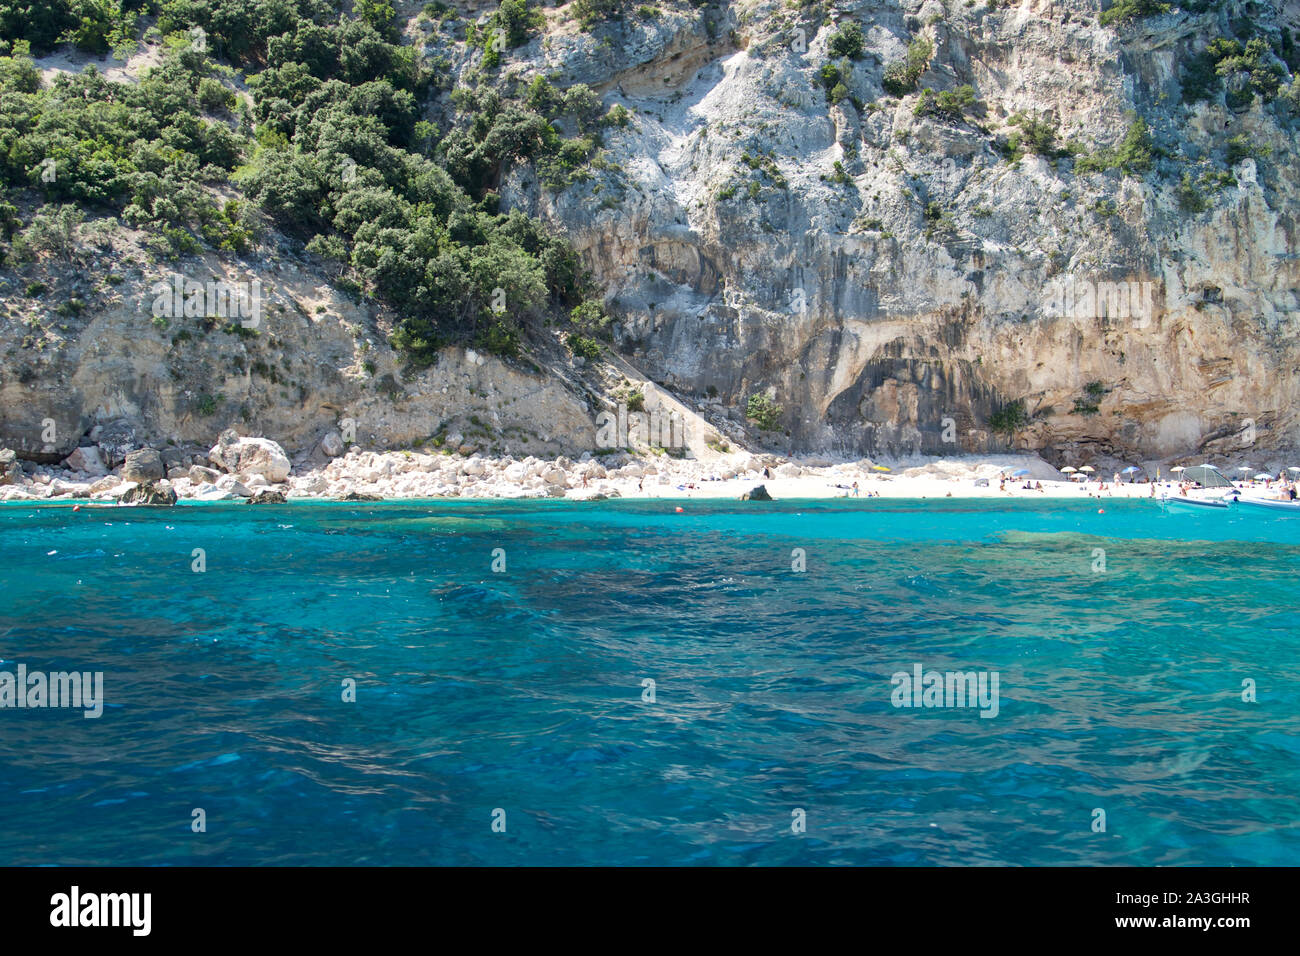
(149, 493)
(267, 497)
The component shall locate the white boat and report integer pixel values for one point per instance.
(1184, 503)
(1262, 505)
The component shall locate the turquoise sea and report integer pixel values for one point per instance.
(1121, 639)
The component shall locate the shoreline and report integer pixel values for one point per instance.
(405, 476)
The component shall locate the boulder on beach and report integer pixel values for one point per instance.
(115, 440)
(315, 485)
(757, 493)
(87, 460)
(200, 475)
(250, 456)
(267, 496)
(233, 485)
(10, 471)
(332, 445)
(143, 465)
(206, 492)
(102, 486)
(148, 493)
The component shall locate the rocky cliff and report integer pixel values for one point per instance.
(915, 228)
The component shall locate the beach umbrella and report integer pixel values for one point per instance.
(1088, 468)
(1243, 467)
(1020, 473)
(1177, 468)
(1262, 477)
(1293, 470)
(1130, 470)
(1069, 470)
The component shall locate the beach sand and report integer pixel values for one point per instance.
(409, 475)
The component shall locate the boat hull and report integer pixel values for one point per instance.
(1179, 503)
(1264, 506)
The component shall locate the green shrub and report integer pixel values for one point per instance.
(207, 405)
(518, 22)
(847, 42)
(500, 338)
(1253, 68)
(1132, 155)
(617, 116)
(583, 347)
(948, 104)
(1031, 136)
(1010, 418)
(54, 231)
(1125, 10)
(591, 12)
(1241, 147)
(901, 76)
(763, 412)
(1191, 199)
(214, 97)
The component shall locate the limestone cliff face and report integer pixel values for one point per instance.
(891, 280)
(313, 362)
(893, 303)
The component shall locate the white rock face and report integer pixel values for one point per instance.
(200, 475)
(213, 493)
(234, 486)
(332, 444)
(88, 460)
(315, 485)
(249, 456)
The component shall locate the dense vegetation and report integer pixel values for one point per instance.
(333, 148)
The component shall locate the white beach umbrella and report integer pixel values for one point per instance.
(1069, 470)
(1178, 468)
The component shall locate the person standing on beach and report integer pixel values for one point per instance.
(855, 489)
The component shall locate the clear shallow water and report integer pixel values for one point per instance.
(1119, 690)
